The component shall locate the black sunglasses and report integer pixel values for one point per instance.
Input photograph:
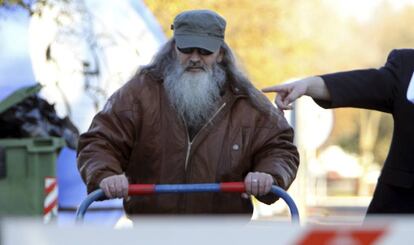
(191, 50)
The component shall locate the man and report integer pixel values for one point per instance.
(385, 90)
(189, 116)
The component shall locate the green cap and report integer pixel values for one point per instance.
(199, 29)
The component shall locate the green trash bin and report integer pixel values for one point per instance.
(30, 163)
(28, 185)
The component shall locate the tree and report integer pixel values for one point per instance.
(279, 40)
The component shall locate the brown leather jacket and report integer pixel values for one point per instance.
(138, 132)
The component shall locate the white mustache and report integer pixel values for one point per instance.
(189, 67)
(195, 65)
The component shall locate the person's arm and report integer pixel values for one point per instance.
(374, 89)
(287, 93)
(104, 150)
(274, 154)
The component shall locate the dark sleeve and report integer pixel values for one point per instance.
(105, 148)
(369, 89)
(276, 155)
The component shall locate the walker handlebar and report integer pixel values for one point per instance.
(144, 189)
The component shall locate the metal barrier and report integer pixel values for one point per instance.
(140, 189)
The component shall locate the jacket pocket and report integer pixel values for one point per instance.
(396, 177)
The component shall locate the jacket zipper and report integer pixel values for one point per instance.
(187, 157)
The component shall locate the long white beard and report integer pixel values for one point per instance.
(194, 95)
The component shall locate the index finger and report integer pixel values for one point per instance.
(275, 88)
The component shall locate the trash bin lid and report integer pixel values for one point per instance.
(18, 96)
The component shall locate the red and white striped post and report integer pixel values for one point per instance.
(50, 205)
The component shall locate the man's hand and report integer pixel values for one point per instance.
(115, 186)
(288, 93)
(258, 183)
